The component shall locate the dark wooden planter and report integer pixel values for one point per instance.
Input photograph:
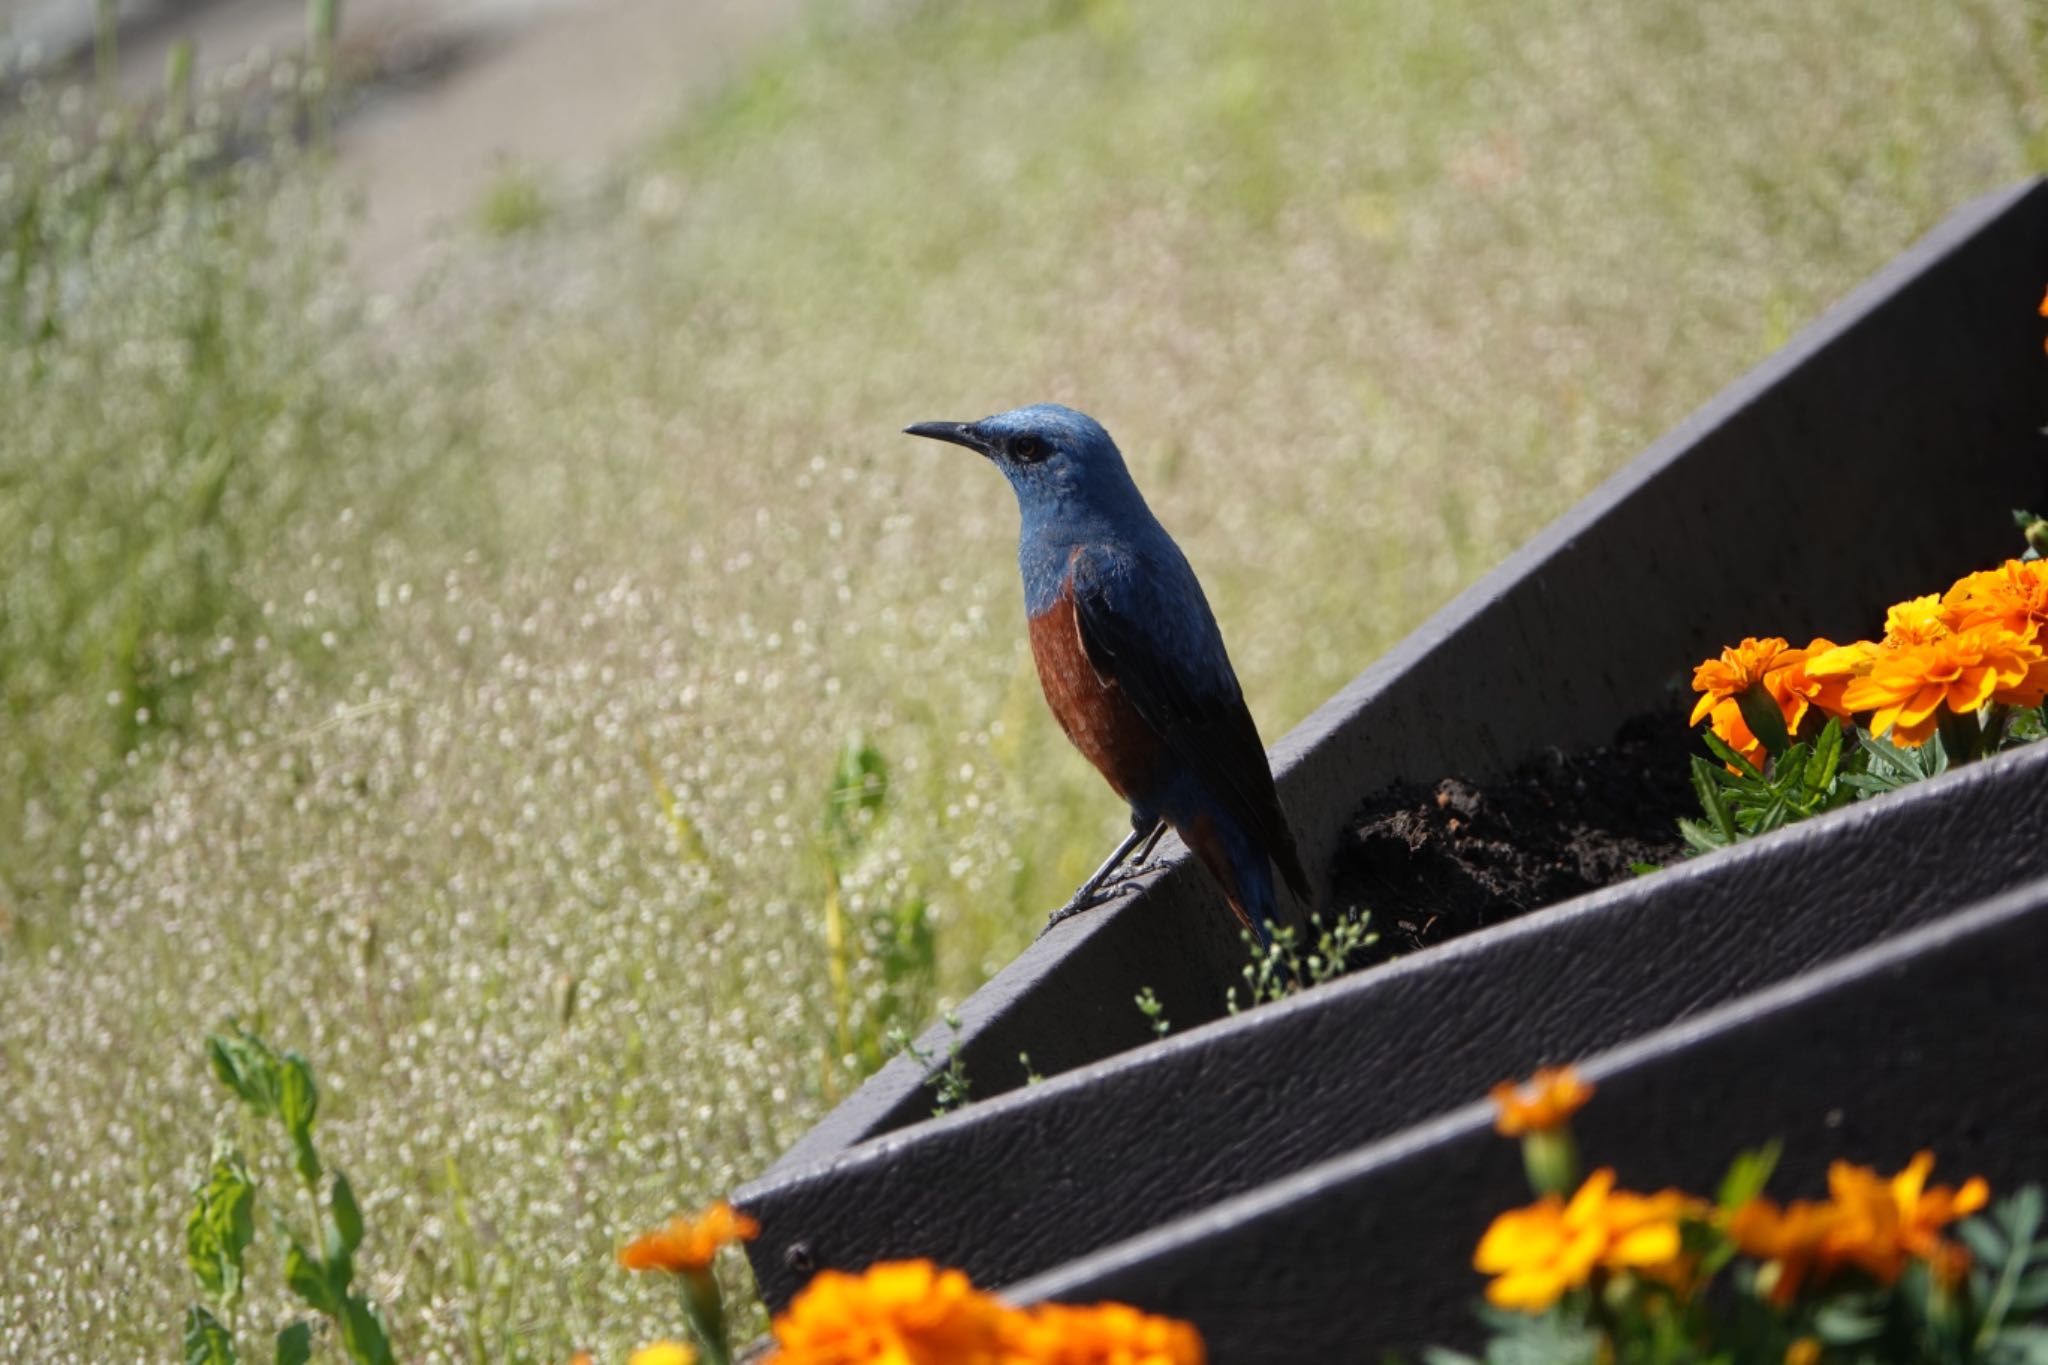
(1873, 457)
(1934, 1039)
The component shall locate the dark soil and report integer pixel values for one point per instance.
(1431, 863)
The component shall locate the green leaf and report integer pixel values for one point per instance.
(1846, 1322)
(1760, 712)
(246, 1065)
(1791, 770)
(1748, 1174)
(2021, 1346)
(307, 1275)
(2032, 1294)
(1439, 1355)
(362, 1334)
(1986, 1242)
(1827, 751)
(344, 1219)
(1701, 838)
(1709, 793)
(298, 1105)
(1722, 750)
(860, 786)
(219, 1228)
(295, 1344)
(206, 1341)
(298, 1096)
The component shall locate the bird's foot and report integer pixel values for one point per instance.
(1088, 898)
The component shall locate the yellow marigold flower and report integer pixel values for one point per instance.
(1805, 1351)
(1906, 688)
(689, 1244)
(2013, 597)
(1549, 1097)
(901, 1312)
(1107, 1334)
(660, 1353)
(1539, 1252)
(1720, 681)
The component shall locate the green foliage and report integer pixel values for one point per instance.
(1800, 781)
(1283, 966)
(1886, 766)
(1516, 1339)
(874, 927)
(1747, 1176)
(2034, 528)
(219, 1228)
(221, 1224)
(207, 1342)
(948, 1079)
(514, 202)
(295, 1344)
(1155, 1012)
(2009, 1277)
(189, 404)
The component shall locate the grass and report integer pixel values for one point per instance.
(455, 689)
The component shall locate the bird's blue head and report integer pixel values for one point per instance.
(1055, 458)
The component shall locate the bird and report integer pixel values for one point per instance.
(1131, 661)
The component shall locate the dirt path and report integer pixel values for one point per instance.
(558, 87)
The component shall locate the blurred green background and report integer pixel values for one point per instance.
(554, 697)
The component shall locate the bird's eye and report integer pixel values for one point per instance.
(1027, 448)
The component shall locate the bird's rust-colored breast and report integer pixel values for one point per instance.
(1093, 710)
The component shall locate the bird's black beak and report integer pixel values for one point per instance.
(959, 433)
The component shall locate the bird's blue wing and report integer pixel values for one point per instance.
(1148, 628)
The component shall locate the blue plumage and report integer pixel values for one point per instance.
(1130, 657)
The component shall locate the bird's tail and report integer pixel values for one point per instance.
(1241, 869)
(1288, 859)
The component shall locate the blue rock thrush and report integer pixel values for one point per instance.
(1130, 658)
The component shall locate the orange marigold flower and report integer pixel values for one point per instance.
(1107, 1334)
(2044, 305)
(660, 1353)
(1916, 621)
(1906, 688)
(2013, 597)
(1538, 1252)
(1548, 1098)
(1737, 669)
(1804, 1351)
(1886, 1222)
(1869, 1222)
(1721, 681)
(1839, 663)
(903, 1312)
(1792, 1240)
(1807, 681)
(689, 1244)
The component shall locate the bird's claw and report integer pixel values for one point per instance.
(1091, 897)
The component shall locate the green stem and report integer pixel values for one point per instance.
(705, 1309)
(1962, 735)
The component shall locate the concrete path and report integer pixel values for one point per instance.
(561, 88)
